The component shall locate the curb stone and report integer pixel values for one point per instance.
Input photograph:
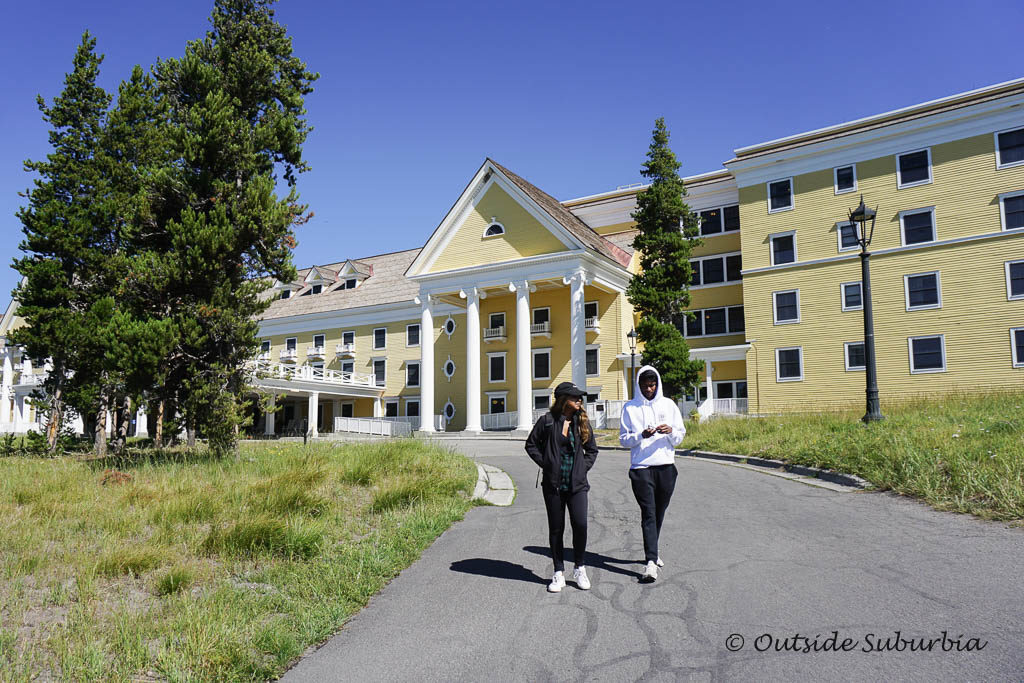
(494, 485)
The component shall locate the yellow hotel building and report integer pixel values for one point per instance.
(515, 291)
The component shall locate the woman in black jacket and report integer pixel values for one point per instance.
(563, 446)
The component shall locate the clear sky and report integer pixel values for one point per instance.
(414, 95)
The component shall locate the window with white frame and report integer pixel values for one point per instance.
(718, 269)
(494, 229)
(391, 407)
(348, 366)
(927, 354)
(379, 368)
(844, 179)
(852, 296)
(449, 368)
(725, 389)
(319, 340)
(914, 168)
(709, 322)
(412, 374)
(291, 343)
(348, 337)
(412, 334)
(590, 310)
(848, 235)
(496, 402)
(922, 291)
(541, 315)
(917, 226)
(1017, 346)
(496, 366)
(786, 306)
(286, 293)
(351, 283)
(496, 320)
(853, 353)
(789, 364)
(1011, 210)
(1009, 148)
(541, 399)
(449, 411)
(316, 289)
(412, 407)
(542, 363)
(780, 195)
(592, 360)
(719, 220)
(380, 337)
(1014, 280)
(265, 347)
(783, 247)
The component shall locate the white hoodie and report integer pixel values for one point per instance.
(639, 414)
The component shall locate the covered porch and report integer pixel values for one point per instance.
(721, 402)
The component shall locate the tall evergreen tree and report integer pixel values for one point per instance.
(659, 293)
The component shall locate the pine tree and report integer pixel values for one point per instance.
(659, 293)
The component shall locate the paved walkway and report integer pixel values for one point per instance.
(746, 554)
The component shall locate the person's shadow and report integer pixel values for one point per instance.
(496, 569)
(594, 560)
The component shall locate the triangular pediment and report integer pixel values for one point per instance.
(520, 227)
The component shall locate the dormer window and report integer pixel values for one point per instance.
(494, 229)
(286, 293)
(316, 289)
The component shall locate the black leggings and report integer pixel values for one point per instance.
(556, 502)
(653, 487)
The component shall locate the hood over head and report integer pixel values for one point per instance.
(637, 394)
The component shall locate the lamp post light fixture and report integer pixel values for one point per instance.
(631, 338)
(860, 217)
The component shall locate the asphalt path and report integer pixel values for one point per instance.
(750, 555)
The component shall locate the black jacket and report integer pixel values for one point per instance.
(542, 447)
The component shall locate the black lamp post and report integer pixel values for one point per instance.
(860, 217)
(631, 338)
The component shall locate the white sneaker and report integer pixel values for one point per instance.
(579, 575)
(557, 583)
(650, 573)
(659, 562)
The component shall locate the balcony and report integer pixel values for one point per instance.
(592, 325)
(541, 329)
(345, 350)
(263, 356)
(492, 334)
(289, 355)
(315, 352)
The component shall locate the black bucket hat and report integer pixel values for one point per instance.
(569, 389)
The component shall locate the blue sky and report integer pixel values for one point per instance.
(413, 96)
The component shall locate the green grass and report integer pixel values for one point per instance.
(958, 453)
(205, 569)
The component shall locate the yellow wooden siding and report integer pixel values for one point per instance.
(718, 244)
(727, 370)
(616, 227)
(450, 389)
(714, 297)
(524, 235)
(964, 189)
(975, 318)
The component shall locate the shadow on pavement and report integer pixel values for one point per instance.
(498, 569)
(594, 560)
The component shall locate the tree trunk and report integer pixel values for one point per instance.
(56, 415)
(190, 433)
(123, 421)
(100, 435)
(158, 435)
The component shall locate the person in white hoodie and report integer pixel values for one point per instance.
(651, 427)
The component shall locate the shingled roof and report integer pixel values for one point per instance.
(583, 232)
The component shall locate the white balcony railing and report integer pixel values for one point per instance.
(500, 420)
(592, 325)
(345, 350)
(306, 373)
(541, 328)
(730, 406)
(315, 352)
(494, 333)
(414, 421)
(263, 355)
(377, 426)
(289, 355)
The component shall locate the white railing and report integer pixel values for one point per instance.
(263, 355)
(289, 354)
(494, 333)
(306, 373)
(345, 350)
(500, 420)
(730, 406)
(377, 426)
(705, 409)
(31, 380)
(541, 328)
(414, 421)
(592, 324)
(315, 352)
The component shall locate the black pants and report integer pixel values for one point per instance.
(653, 487)
(556, 502)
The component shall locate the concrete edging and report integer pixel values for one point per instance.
(494, 485)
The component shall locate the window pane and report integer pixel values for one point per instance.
(347, 409)
(348, 366)
(1017, 279)
(318, 340)
(851, 296)
(348, 337)
(350, 284)
(731, 214)
(265, 346)
(541, 402)
(1011, 146)
(1018, 338)
(378, 372)
(710, 222)
(497, 405)
(391, 409)
(290, 344)
(780, 195)
(412, 374)
(848, 236)
(378, 339)
(590, 310)
(714, 321)
(789, 363)
(927, 353)
(285, 293)
(695, 325)
(785, 306)
(541, 365)
(782, 250)
(723, 390)
(592, 362)
(923, 290)
(1013, 207)
(844, 178)
(917, 228)
(541, 315)
(713, 270)
(741, 389)
(733, 266)
(497, 368)
(736, 322)
(914, 167)
(855, 355)
(703, 393)
(317, 289)
(694, 273)
(412, 408)
(412, 334)
(497, 320)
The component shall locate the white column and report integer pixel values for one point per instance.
(20, 412)
(426, 366)
(268, 423)
(141, 422)
(26, 368)
(378, 410)
(578, 335)
(471, 295)
(335, 412)
(711, 388)
(314, 403)
(524, 356)
(6, 390)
